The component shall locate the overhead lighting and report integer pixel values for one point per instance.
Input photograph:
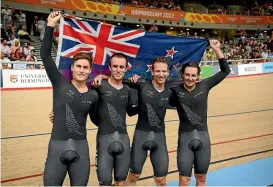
(171, 28)
(137, 25)
(118, 23)
(187, 29)
(203, 30)
(265, 31)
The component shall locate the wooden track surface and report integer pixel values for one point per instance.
(240, 122)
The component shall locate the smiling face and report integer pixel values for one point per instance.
(81, 70)
(160, 72)
(190, 74)
(117, 67)
(81, 67)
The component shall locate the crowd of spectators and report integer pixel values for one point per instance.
(249, 49)
(249, 7)
(15, 39)
(163, 4)
(258, 9)
(244, 51)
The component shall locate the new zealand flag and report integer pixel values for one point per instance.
(102, 40)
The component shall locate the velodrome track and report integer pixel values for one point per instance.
(240, 124)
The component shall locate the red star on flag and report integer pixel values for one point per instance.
(149, 68)
(171, 52)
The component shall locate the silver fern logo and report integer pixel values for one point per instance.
(115, 118)
(152, 117)
(193, 118)
(71, 123)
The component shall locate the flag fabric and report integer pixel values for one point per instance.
(102, 40)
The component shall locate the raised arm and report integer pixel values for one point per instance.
(224, 67)
(50, 66)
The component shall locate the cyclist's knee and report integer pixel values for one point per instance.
(160, 181)
(184, 181)
(201, 177)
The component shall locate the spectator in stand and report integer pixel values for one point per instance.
(5, 49)
(153, 28)
(41, 27)
(3, 60)
(22, 18)
(32, 57)
(30, 66)
(27, 49)
(256, 54)
(16, 51)
(15, 18)
(11, 31)
(248, 48)
(269, 44)
(264, 54)
(11, 42)
(34, 26)
(23, 34)
(195, 35)
(6, 13)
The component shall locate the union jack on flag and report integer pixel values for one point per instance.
(102, 40)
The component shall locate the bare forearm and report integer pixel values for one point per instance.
(219, 53)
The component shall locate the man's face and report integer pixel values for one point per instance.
(190, 76)
(118, 68)
(81, 70)
(160, 72)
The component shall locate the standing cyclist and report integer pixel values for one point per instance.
(68, 149)
(191, 99)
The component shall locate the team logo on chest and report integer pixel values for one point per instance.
(165, 99)
(123, 95)
(70, 93)
(181, 94)
(86, 102)
(198, 94)
(108, 93)
(150, 94)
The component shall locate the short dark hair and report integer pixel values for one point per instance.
(118, 55)
(190, 64)
(83, 55)
(161, 59)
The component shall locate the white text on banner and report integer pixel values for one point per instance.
(25, 79)
(250, 69)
